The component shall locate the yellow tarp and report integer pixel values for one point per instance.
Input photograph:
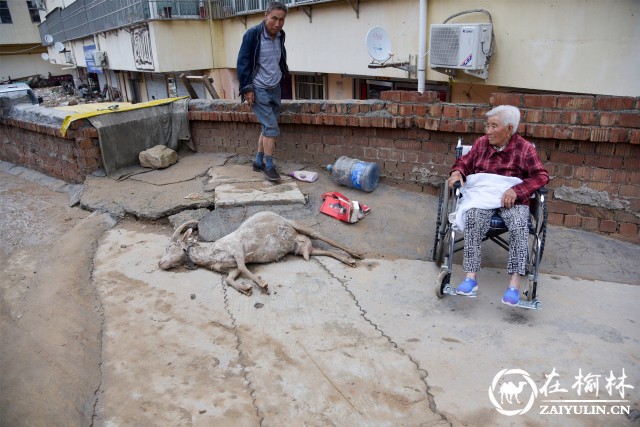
(82, 111)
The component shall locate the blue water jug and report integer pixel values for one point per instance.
(355, 173)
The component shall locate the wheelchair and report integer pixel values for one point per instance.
(448, 241)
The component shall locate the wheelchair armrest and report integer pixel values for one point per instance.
(457, 185)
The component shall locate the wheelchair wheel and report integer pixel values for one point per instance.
(441, 282)
(440, 242)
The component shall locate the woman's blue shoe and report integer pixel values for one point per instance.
(469, 287)
(511, 296)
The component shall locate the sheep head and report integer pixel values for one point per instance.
(175, 253)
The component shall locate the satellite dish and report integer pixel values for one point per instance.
(378, 44)
(48, 38)
(45, 56)
(58, 46)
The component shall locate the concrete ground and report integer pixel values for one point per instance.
(330, 345)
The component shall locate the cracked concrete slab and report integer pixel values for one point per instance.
(258, 193)
(143, 200)
(205, 354)
(188, 167)
(463, 343)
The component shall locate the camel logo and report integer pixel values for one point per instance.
(511, 388)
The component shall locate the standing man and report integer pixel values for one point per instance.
(261, 63)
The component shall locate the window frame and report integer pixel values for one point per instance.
(5, 13)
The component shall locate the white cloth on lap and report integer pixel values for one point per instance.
(482, 191)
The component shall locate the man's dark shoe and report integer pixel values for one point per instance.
(272, 174)
(257, 167)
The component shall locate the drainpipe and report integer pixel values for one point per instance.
(422, 46)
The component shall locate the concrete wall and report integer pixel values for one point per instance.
(567, 46)
(22, 30)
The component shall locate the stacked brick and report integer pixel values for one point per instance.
(43, 148)
(589, 143)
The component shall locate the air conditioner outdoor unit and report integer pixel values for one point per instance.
(464, 47)
(100, 58)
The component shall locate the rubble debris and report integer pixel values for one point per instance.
(158, 157)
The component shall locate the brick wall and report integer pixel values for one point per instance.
(590, 144)
(43, 148)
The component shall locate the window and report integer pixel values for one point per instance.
(33, 11)
(5, 15)
(309, 86)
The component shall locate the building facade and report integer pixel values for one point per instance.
(147, 47)
(21, 48)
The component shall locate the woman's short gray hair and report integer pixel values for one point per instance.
(509, 115)
(276, 5)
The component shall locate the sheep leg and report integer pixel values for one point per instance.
(239, 257)
(230, 280)
(333, 254)
(302, 229)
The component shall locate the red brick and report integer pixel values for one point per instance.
(583, 173)
(466, 112)
(634, 137)
(580, 133)
(450, 111)
(574, 159)
(589, 118)
(572, 221)
(540, 131)
(435, 110)
(599, 134)
(605, 149)
(589, 223)
(603, 175)
(631, 120)
(619, 135)
(609, 119)
(626, 228)
(531, 116)
(560, 206)
(576, 102)
(629, 190)
(561, 132)
(551, 116)
(419, 110)
(612, 103)
(608, 226)
(555, 219)
(540, 101)
(514, 99)
(603, 161)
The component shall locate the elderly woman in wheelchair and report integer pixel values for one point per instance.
(498, 175)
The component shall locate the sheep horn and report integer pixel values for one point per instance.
(181, 228)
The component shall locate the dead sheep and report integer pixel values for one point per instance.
(262, 238)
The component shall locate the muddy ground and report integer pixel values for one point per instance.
(91, 333)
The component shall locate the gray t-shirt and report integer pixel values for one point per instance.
(269, 73)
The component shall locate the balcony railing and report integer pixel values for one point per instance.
(85, 17)
(227, 8)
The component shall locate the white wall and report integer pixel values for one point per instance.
(17, 66)
(584, 46)
(22, 30)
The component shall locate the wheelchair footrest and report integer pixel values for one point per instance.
(532, 305)
(450, 290)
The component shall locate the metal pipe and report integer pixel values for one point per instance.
(422, 46)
